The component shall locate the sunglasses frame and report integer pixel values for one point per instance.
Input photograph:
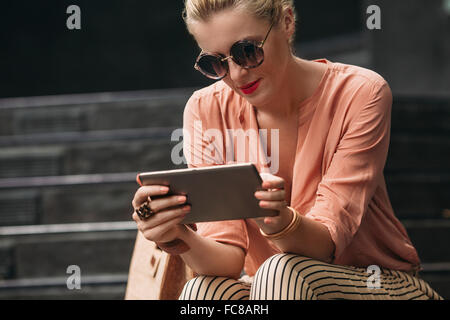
(222, 59)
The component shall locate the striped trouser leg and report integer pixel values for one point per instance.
(215, 288)
(293, 277)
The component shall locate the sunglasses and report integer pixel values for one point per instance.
(246, 53)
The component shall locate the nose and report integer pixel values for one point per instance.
(236, 72)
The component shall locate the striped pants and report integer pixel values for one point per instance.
(292, 277)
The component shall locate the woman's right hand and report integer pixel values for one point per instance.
(164, 225)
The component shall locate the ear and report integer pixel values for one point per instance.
(288, 23)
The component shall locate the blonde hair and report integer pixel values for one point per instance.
(270, 10)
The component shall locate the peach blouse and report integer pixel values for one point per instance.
(343, 141)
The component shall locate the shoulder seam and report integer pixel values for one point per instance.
(381, 81)
(203, 92)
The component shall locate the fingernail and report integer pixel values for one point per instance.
(181, 199)
(164, 189)
(186, 209)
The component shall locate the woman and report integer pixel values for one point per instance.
(336, 235)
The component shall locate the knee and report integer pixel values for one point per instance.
(278, 264)
(193, 288)
(278, 276)
(213, 288)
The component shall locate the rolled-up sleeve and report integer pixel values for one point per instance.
(354, 173)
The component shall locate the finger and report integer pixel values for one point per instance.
(274, 205)
(267, 220)
(271, 220)
(165, 216)
(144, 192)
(271, 181)
(135, 217)
(277, 195)
(158, 233)
(265, 176)
(167, 202)
(274, 184)
(139, 222)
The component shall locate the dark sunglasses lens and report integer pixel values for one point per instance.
(211, 66)
(247, 54)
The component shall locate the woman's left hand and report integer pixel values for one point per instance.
(273, 197)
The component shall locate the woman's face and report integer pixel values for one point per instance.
(223, 29)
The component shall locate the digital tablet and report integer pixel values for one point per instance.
(217, 193)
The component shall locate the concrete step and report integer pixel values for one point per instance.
(418, 153)
(38, 258)
(140, 149)
(112, 287)
(43, 251)
(421, 115)
(107, 197)
(104, 247)
(96, 111)
(98, 252)
(419, 196)
(97, 287)
(437, 275)
(431, 238)
(161, 108)
(35, 259)
(67, 199)
(123, 152)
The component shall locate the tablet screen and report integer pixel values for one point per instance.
(216, 193)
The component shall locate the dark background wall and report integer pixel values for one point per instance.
(123, 45)
(412, 50)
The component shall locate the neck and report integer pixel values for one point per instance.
(300, 79)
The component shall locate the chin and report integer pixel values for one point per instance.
(259, 97)
(255, 101)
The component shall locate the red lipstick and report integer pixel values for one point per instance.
(251, 87)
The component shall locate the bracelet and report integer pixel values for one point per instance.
(295, 222)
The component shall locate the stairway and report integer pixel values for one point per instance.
(67, 178)
(418, 181)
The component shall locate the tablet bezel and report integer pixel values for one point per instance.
(230, 191)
